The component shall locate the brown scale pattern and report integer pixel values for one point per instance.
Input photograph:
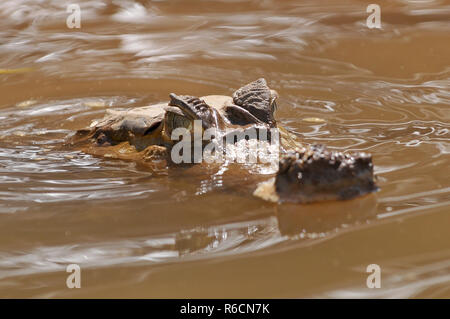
(192, 101)
(255, 97)
(315, 172)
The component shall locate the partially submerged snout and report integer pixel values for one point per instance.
(317, 174)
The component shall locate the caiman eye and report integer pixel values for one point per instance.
(181, 121)
(174, 120)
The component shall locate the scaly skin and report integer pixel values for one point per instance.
(316, 174)
(306, 174)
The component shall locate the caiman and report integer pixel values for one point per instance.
(306, 173)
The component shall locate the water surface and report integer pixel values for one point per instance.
(140, 234)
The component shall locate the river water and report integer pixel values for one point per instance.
(139, 234)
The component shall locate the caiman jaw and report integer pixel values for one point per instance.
(317, 174)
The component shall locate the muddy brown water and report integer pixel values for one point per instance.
(139, 234)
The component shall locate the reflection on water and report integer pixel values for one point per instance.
(324, 218)
(410, 279)
(381, 91)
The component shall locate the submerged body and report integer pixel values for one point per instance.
(305, 173)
